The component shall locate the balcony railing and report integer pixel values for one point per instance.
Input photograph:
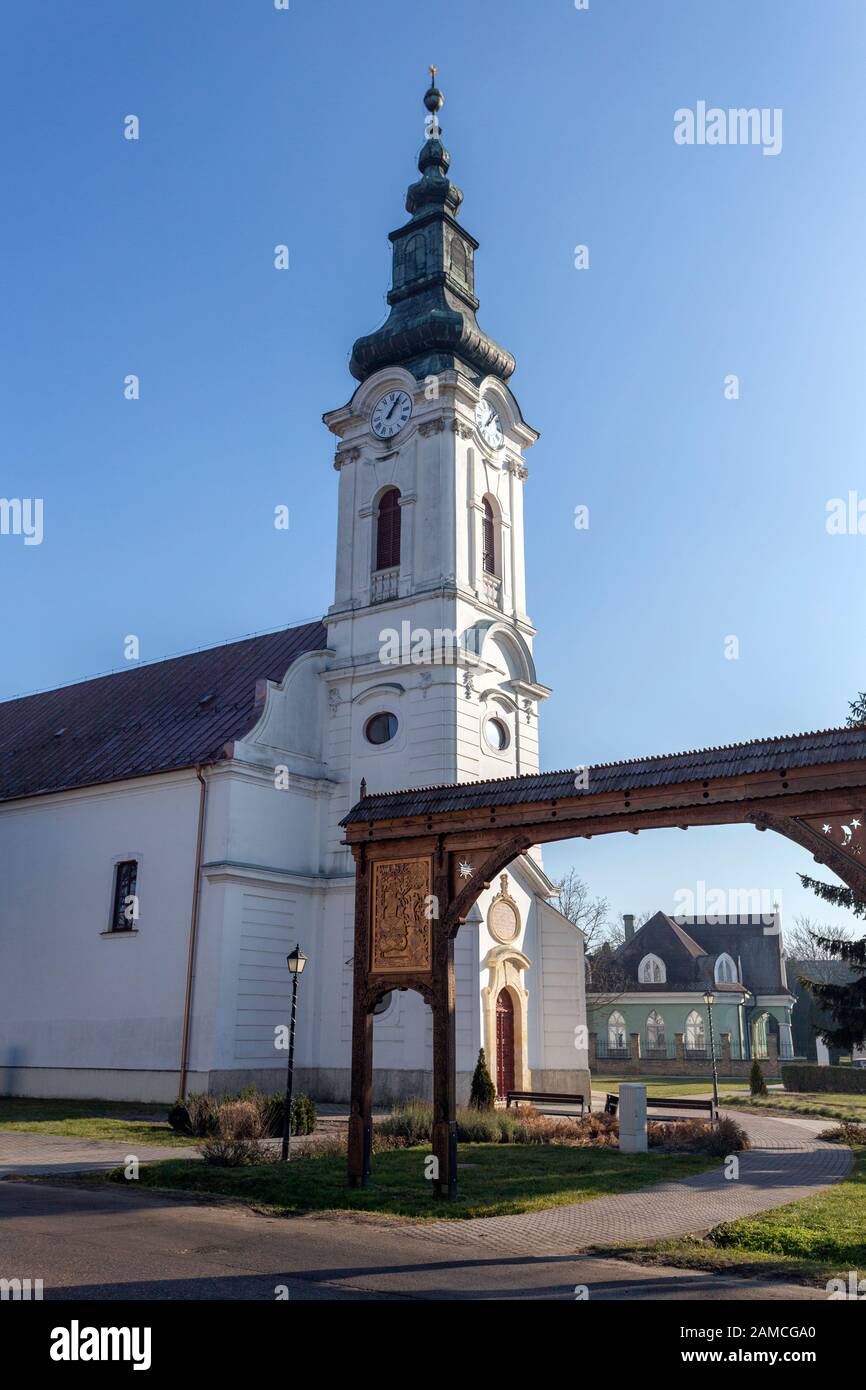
(384, 585)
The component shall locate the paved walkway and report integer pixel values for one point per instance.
(44, 1154)
(786, 1163)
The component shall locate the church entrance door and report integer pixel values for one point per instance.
(504, 1043)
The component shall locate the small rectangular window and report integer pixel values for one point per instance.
(124, 912)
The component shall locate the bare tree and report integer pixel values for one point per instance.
(591, 914)
(801, 940)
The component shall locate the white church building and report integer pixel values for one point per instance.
(169, 832)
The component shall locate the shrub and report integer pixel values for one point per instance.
(304, 1114)
(411, 1121)
(807, 1076)
(757, 1084)
(198, 1115)
(848, 1132)
(696, 1136)
(178, 1117)
(221, 1151)
(482, 1093)
(240, 1119)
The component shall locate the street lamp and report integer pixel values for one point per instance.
(708, 1000)
(296, 960)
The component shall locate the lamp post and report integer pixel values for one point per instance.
(708, 1000)
(296, 960)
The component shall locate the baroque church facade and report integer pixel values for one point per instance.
(182, 819)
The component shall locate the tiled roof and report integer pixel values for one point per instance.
(155, 718)
(749, 938)
(703, 764)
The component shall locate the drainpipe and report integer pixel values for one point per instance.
(193, 933)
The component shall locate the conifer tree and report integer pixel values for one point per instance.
(482, 1095)
(845, 1003)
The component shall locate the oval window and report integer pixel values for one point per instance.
(381, 728)
(495, 735)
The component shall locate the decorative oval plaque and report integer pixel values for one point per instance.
(503, 917)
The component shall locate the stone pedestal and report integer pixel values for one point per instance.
(632, 1118)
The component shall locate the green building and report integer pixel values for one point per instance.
(651, 999)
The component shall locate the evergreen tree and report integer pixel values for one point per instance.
(482, 1096)
(757, 1084)
(846, 1004)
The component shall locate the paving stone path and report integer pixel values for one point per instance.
(787, 1163)
(43, 1154)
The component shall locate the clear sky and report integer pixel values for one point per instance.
(260, 126)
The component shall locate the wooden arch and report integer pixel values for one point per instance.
(422, 858)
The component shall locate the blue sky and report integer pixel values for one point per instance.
(707, 516)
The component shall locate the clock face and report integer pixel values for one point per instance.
(488, 424)
(391, 413)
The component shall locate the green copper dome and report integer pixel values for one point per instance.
(432, 326)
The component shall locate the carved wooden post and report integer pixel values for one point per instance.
(444, 1038)
(361, 1113)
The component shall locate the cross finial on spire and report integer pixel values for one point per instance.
(434, 101)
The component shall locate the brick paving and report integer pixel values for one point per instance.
(32, 1152)
(787, 1163)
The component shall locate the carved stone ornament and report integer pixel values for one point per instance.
(463, 431)
(503, 916)
(402, 927)
(432, 426)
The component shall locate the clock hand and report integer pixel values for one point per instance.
(393, 408)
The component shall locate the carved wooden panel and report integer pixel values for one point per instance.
(845, 832)
(402, 926)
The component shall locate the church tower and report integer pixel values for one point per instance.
(433, 677)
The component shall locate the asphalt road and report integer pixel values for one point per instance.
(103, 1245)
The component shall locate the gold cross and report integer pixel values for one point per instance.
(433, 72)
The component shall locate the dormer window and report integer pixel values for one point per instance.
(726, 970)
(388, 530)
(651, 971)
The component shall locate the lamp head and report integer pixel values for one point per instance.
(296, 960)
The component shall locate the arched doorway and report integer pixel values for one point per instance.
(504, 1043)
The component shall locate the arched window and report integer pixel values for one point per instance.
(655, 1031)
(726, 971)
(616, 1032)
(415, 257)
(388, 530)
(488, 538)
(695, 1038)
(651, 971)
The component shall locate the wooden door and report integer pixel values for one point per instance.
(504, 1043)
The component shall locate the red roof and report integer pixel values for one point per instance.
(155, 718)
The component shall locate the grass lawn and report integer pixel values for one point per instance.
(811, 1240)
(670, 1086)
(125, 1121)
(831, 1105)
(494, 1180)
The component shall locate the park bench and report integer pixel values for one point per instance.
(547, 1098)
(653, 1102)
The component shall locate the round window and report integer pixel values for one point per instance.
(495, 734)
(381, 728)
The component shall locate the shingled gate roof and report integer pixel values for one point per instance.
(703, 764)
(155, 718)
